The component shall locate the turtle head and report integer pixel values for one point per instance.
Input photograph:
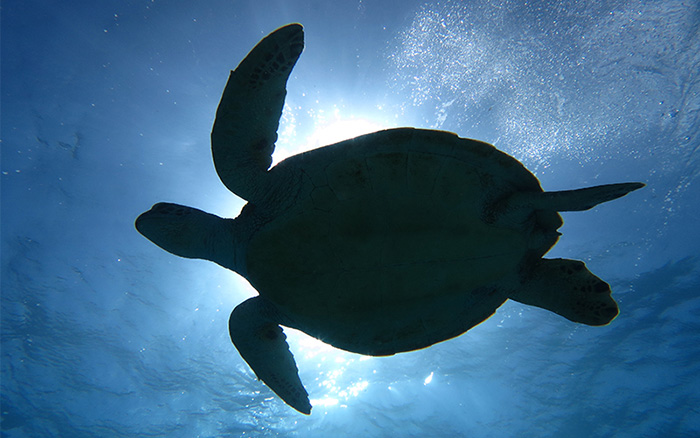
(190, 233)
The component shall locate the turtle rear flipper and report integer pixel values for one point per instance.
(576, 200)
(261, 342)
(568, 288)
(517, 208)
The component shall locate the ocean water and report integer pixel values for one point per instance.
(107, 108)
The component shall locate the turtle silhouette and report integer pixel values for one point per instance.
(384, 243)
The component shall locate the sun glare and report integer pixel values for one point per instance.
(327, 127)
(339, 130)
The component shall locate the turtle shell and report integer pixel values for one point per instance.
(386, 247)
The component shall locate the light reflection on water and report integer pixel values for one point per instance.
(339, 375)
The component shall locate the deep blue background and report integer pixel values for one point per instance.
(107, 108)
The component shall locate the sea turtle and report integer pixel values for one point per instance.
(384, 243)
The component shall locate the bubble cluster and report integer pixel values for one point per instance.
(541, 81)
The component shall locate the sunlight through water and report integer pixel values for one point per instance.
(326, 127)
(339, 375)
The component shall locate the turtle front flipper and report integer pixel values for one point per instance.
(568, 288)
(260, 340)
(245, 130)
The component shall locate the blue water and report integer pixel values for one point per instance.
(107, 108)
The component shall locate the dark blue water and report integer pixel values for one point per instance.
(107, 108)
